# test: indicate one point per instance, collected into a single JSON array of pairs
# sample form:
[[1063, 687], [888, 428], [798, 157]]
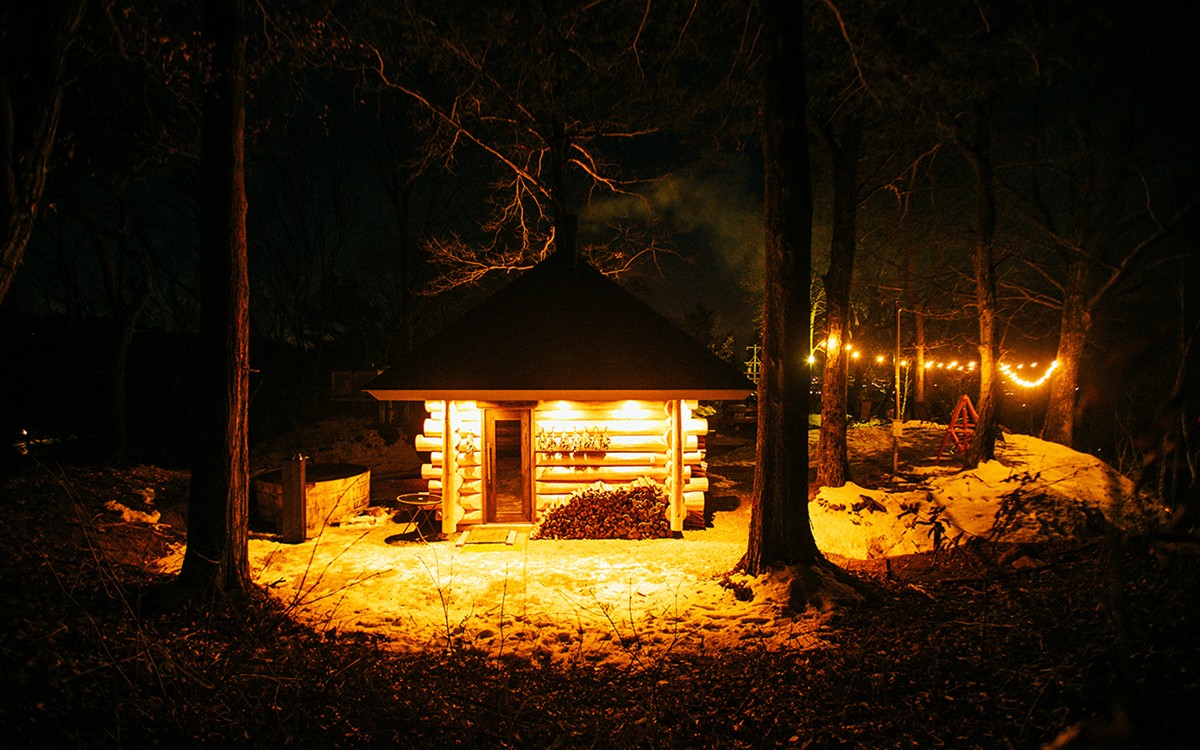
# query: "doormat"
[[487, 536]]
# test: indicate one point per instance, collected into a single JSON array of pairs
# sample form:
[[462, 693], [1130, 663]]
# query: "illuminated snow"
[[1033, 490], [610, 601]]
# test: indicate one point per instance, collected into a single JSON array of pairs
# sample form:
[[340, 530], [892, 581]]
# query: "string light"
[[1008, 370]]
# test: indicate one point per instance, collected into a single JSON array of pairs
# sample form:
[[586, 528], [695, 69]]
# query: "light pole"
[[897, 415]]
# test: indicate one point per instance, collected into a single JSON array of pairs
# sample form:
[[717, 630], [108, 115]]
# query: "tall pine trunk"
[[919, 319], [1059, 425], [833, 464], [978, 153], [216, 557], [780, 533]]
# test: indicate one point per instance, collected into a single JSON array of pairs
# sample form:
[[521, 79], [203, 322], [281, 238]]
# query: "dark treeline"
[[403, 159]]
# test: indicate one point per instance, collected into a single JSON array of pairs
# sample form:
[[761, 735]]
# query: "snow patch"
[[1035, 490], [129, 515]]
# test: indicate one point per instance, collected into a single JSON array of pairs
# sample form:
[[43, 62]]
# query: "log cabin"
[[560, 380]]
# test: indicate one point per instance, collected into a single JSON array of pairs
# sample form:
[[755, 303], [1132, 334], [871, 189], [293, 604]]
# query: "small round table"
[[422, 509]]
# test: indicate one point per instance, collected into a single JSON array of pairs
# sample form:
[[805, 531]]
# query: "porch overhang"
[[561, 394]]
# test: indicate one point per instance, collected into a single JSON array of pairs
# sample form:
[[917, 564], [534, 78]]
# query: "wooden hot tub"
[[332, 491]]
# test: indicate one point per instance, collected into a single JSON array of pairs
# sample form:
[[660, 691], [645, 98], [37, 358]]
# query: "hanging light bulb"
[[1024, 383]]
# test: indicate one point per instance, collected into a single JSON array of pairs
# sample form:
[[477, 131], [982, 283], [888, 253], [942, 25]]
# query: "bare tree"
[[422, 203], [984, 54], [1102, 192], [833, 463], [35, 45], [547, 99], [127, 295], [302, 247], [843, 92], [975, 145], [857, 118]]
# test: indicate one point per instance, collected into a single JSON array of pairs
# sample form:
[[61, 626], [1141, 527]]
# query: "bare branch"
[[1062, 241], [1040, 270], [683, 29], [858, 71], [456, 123], [464, 264], [586, 162], [1131, 258], [637, 37], [1026, 294]]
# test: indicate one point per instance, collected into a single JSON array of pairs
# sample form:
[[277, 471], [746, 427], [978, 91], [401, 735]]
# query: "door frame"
[[490, 415]]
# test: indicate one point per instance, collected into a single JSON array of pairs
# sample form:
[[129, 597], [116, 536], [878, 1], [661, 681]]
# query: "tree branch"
[[1141, 248], [457, 125]]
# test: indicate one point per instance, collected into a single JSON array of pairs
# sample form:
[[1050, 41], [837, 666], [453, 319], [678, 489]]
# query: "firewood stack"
[[637, 511]]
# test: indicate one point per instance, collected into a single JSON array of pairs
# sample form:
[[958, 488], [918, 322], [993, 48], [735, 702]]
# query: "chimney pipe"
[[567, 231]]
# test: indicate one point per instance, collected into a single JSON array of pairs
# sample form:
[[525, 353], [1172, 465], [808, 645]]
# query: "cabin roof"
[[561, 330]]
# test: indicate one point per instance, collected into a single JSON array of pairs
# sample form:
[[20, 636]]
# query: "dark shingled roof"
[[561, 331]]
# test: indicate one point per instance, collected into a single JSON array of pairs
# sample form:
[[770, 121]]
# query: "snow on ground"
[[1034, 490], [623, 602], [583, 601]]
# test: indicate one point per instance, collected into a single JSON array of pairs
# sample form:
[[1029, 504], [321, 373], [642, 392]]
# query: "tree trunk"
[[833, 464], [919, 317], [125, 324], [34, 38], [1059, 425], [216, 558], [983, 441], [780, 533], [125, 313]]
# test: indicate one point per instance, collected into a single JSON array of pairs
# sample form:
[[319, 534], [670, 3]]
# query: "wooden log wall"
[[464, 499], [635, 436], [576, 444]]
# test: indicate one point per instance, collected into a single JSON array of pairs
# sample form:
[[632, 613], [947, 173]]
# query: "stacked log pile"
[[636, 511]]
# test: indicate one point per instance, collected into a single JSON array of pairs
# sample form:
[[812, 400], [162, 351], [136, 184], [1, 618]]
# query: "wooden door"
[[507, 467]]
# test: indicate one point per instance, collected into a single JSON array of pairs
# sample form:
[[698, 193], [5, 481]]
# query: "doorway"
[[507, 467]]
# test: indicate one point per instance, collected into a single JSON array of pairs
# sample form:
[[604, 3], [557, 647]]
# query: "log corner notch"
[[678, 413]]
